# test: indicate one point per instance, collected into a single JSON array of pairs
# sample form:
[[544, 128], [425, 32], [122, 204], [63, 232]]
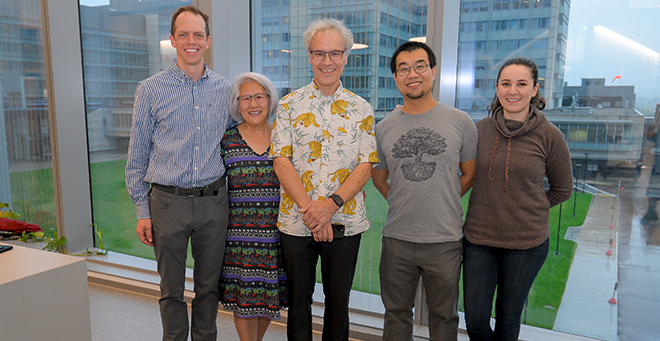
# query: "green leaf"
[[38, 236]]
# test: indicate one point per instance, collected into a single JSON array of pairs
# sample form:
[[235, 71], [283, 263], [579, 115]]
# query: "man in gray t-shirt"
[[427, 150]]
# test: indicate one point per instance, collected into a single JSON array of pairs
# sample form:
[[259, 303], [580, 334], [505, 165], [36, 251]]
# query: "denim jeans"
[[513, 273]]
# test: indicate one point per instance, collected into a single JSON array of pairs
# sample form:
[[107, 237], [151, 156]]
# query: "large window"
[[599, 66], [123, 43], [26, 175], [599, 63]]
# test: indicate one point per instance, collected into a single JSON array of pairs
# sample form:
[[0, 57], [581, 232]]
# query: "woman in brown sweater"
[[506, 228]]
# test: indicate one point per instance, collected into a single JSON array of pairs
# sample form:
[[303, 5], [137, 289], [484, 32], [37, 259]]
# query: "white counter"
[[43, 296]]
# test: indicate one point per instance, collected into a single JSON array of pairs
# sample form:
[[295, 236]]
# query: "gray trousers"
[[175, 220], [401, 265]]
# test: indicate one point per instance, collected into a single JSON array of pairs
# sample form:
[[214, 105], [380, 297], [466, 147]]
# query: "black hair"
[[410, 46]]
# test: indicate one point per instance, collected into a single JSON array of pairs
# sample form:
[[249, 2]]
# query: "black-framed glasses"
[[334, 55], [419, 68], [260, 98]]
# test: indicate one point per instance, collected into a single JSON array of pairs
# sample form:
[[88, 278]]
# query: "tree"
[[416, 143]]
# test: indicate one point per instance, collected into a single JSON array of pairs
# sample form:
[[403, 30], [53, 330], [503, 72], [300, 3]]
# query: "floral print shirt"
[[325, 137]]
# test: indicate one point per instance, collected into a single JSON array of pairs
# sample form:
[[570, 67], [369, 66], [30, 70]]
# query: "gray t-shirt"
[[422, 154]]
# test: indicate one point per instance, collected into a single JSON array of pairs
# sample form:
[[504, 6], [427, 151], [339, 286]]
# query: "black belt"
[[210, 189]]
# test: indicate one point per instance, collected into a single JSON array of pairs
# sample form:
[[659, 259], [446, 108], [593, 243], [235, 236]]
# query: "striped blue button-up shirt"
[[176, 133]]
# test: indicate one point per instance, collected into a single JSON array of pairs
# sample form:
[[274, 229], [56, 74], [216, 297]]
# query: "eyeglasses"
[[334, 55], [259, 97], [419, 68]]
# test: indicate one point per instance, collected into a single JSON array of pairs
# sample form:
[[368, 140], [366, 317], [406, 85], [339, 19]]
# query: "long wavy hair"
[[536, 101]]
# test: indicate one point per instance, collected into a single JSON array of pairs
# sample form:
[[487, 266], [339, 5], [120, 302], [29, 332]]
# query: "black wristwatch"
[[337, 199]]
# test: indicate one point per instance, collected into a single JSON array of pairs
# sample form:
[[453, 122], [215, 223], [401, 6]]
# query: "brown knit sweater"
[[508, 206]]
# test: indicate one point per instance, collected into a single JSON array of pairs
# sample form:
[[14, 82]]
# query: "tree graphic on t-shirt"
[[416, 143]]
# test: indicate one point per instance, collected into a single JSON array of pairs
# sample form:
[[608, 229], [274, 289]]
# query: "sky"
[[607, 38], [93, 3]]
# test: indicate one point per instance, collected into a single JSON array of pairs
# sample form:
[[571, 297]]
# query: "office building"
[[492, 32], [379, 27]]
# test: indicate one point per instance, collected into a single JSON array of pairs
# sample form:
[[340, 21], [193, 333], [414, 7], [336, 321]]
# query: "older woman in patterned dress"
[[253, 283]]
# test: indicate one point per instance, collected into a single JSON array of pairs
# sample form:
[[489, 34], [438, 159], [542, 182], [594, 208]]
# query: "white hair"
[[260, 79], [329, 24]]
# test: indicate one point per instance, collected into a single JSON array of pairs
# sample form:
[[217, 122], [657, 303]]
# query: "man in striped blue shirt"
[[176, 177]]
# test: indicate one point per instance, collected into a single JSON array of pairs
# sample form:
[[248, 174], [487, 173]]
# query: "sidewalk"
[[585, 309]]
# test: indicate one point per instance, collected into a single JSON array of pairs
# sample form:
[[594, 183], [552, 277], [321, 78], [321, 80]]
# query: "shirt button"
[[196, 148], [195, 168], [196, 107], [197, 128]]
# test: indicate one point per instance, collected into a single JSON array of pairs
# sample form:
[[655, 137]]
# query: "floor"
[[128, 316], [118, 314]]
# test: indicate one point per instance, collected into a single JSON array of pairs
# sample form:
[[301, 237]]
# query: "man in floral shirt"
[[323, 148]]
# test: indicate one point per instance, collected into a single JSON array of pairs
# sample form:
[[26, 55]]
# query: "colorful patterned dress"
[[253, 282]]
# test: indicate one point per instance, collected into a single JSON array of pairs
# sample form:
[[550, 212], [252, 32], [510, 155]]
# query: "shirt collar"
[[318, 93], [180, 75]]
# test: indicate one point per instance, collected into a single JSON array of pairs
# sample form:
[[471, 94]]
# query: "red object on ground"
[[17, 226], [609, 253], [612, 300]]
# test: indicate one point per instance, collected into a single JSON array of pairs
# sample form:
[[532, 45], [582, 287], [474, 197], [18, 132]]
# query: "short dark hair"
[[536, 101], [194, 10], [410, 46]]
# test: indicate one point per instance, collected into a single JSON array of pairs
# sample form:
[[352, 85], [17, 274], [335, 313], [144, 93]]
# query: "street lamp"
[[586, 168], [559, 229], [577, 175]]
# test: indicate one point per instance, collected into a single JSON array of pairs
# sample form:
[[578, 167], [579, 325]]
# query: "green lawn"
[[33, 197], [114, 215], [546, 294]]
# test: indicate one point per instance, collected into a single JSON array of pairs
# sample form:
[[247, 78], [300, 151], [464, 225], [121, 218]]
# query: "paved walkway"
[[585, 309]]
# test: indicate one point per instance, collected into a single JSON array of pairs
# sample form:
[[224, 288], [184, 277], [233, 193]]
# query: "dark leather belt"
[[210, 189]]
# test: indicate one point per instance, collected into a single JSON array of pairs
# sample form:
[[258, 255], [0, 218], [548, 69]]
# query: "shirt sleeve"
[[558, 169], [139, 152], [469, 148], [381, 155], [368, 150], [281, 139]]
